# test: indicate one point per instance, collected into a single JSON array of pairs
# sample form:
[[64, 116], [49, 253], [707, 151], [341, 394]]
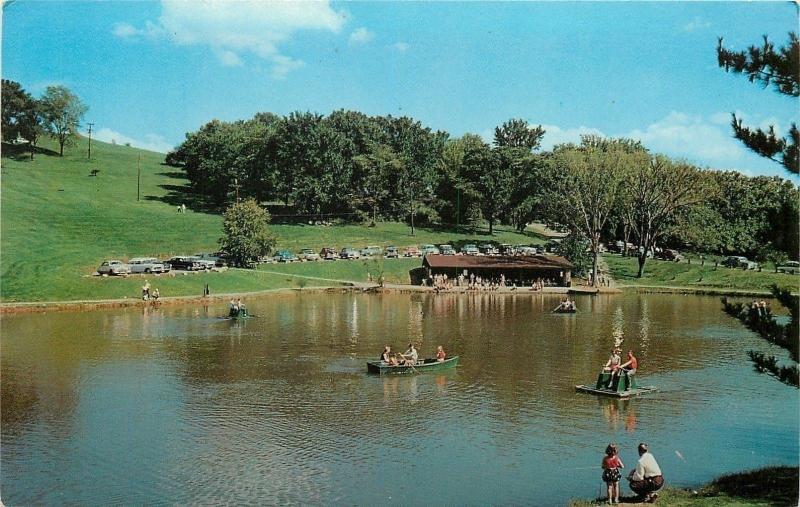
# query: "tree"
[[62, 111], [575, 247], [246, 234], [782, 335], [585, 184], [658, 188], [768, 66], [374, 169], [516, 133], [21, 116]]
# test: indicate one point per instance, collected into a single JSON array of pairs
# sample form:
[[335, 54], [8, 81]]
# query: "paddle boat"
[[565, 310], [237, 314], [422, 366], [624, 386]]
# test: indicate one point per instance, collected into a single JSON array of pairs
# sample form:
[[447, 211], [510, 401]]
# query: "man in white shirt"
[[411, 355], [646, 478]]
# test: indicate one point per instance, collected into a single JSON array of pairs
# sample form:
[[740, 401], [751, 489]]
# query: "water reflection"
[[176, 405]]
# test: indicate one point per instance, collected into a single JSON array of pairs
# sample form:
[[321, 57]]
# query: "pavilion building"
[[554, 270]]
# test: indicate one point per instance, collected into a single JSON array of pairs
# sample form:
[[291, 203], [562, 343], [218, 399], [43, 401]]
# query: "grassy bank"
[[658, 273], [393, 270], [59, 223], [767, 487]]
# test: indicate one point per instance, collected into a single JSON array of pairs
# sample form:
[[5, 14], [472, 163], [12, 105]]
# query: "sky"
[[151, 71]]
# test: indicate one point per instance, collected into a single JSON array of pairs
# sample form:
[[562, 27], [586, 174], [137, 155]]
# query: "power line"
[[90, 140]]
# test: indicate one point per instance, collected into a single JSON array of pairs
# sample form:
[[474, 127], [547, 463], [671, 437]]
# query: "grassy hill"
[[59, 223]]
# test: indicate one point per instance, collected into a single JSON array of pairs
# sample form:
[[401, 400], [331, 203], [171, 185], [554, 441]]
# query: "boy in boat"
[[410, 356], [629, 367], [613, 364]]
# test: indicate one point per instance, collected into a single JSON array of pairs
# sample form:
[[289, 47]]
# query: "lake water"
[[173, 405]]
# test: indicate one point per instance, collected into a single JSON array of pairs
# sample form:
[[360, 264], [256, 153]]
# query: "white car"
[[114, 268], [204, 263], [147, 265], [307, 254]]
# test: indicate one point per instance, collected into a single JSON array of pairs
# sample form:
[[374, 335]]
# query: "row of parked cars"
[[151, 265], [330, 253]]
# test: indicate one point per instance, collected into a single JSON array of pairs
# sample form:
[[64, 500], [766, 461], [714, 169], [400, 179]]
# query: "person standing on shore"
[[646, 479], [611, 474]]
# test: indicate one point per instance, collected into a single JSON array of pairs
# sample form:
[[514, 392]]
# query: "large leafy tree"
[[768, 66], [585, 185], [62, 111], [517, 133], [657, 189], [374, 171], [21, 115], [246, 235]]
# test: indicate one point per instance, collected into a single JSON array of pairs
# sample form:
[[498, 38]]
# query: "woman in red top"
[[611, 474], [440, 355]]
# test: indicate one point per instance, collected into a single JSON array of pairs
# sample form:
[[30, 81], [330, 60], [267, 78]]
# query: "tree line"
[[57, 113], [363, 167]]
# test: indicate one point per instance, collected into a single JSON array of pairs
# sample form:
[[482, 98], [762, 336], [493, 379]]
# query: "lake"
[[174, 405]]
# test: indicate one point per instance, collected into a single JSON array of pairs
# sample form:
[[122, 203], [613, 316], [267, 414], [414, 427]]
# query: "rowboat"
[[624, 386], [422, 366], [565, 310]]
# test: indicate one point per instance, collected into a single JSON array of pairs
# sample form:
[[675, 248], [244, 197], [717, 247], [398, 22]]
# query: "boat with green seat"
[[624, 386], [422, 366]]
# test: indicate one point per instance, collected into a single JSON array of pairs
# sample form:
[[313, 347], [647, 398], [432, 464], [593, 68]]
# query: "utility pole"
[[138, 175], [236, 186], [90, 140]]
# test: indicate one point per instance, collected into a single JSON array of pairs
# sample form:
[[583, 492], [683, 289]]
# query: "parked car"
[[147, 265], [506, 249], [203, 263], [791, 267], [391, 252], [470, 250], [217, 258], [285, 256], [371, 251], [307, 254], [185, 263], [329, 254], [429, 250], [488, 249], [552, 245], [114, 268], [668, 254], [349, 253], [737, 261], [447, 250], [412, 251], [526, 250]]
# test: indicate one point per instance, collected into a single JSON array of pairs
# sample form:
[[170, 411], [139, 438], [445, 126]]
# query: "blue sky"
[[152, 71]]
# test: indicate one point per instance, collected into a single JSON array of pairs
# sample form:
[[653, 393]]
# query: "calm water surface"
[[165, 406]]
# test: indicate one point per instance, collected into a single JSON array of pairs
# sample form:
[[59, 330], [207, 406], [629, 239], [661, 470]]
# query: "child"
[[611, 474]]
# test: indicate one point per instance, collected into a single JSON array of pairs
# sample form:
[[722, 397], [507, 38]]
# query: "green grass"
[[393, 270], [58, 223], [766, 487], [681, 274]]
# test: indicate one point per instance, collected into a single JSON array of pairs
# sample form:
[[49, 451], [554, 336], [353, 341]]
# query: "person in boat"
[[234, 309], [387, 357], [440, 354], [646, 479], [242, 309], [613, 364], [410, 356], [611, 474], [629, 366]]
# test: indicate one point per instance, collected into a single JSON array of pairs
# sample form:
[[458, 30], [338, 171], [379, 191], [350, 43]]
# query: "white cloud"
[[152, 142], [401, 46], [697, 23], [554, 135], [361, 36], [233, 29], [691, 136], [126, 31]]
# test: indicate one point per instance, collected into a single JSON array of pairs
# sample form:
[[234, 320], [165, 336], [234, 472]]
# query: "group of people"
[[147, 294], [408, 358], [236, 308], [617, 367], [645, 480], [759, 308]]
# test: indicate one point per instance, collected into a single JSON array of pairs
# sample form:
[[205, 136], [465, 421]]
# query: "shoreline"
[[352, 286]]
